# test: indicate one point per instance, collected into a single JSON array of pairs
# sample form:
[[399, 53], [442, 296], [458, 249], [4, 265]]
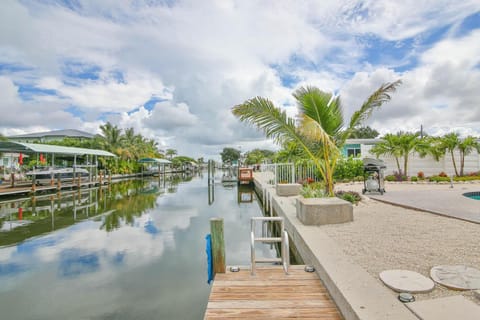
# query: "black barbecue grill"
[[373, 175]]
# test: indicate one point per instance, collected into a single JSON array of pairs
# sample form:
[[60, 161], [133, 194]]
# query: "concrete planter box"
[[319, 211], [288, 189]]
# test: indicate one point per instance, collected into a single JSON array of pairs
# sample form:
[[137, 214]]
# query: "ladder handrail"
[[285, 250]]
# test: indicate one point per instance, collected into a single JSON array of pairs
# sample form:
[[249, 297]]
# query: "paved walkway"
[[440, 199]]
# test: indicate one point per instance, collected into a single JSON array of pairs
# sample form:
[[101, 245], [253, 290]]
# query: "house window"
[[352, 150]]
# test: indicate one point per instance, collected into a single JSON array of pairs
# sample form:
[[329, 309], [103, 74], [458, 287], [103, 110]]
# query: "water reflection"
[[134, 250]]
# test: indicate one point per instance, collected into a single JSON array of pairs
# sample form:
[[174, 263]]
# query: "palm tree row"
[[320, 131], [404, 144], [127, 145]]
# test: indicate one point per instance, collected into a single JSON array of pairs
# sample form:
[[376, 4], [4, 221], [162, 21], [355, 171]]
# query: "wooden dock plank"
[[270, 294]]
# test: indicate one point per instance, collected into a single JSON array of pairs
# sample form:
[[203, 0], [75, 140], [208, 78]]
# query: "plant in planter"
[[319, 132], [313, 190]]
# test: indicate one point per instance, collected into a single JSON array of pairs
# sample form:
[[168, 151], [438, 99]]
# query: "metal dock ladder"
[[283, 240]]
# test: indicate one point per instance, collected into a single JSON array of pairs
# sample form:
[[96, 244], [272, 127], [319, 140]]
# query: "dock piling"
[[218, 245]]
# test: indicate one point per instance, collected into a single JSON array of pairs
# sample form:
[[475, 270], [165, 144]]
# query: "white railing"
[[289, 172]]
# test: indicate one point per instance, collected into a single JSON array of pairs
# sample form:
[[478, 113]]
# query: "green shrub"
[[466, 178], [349, 168], [350, 196], [438, 178], [390, 178], [414, 179]]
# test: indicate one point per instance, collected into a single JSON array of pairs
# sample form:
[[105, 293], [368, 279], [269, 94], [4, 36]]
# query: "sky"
[[173, 70]]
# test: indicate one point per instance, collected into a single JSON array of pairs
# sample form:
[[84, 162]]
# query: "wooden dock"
[[270, 294], [26, 189]]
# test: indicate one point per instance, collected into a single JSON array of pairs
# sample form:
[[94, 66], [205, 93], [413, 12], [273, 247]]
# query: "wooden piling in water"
[[218, 245]]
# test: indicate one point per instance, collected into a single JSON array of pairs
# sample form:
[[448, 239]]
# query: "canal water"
[[132, 250]]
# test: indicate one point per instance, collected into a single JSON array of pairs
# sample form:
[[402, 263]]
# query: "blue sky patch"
[[118, 76], [8, 68], [29, 92], [75, 111], [150, 104], [80, 70], [398, 55], [468, 24], [104, 115]]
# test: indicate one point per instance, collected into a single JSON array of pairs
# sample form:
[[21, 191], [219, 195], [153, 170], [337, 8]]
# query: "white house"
[[416, 164]]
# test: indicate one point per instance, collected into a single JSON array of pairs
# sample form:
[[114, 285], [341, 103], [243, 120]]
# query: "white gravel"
[[384, 237]]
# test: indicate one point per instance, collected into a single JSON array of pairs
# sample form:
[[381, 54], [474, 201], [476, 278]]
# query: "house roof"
[[11, 146], [71, 133]]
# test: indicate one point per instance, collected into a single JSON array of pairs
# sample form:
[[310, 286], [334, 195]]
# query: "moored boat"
[[46, 175]]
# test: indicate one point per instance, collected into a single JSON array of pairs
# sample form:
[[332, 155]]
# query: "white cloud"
[[167, 116]]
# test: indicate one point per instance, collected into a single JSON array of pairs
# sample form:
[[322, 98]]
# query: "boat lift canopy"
[[154, 160], [21, 147]]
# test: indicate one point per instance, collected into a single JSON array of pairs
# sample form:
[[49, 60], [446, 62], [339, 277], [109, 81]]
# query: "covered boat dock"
[[89, 157], [160, 163]]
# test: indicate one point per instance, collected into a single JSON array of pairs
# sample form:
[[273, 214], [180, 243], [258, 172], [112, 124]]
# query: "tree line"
[[404, 144]]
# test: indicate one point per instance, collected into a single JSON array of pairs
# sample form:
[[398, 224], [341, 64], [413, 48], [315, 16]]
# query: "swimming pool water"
[[472, 195]]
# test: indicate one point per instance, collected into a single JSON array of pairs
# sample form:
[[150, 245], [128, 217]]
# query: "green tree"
[[403, 144], [256, 156], [448, 143], [111, 137], [230, 155], [319, 132], [466, 147], [2, 138], [170, 153], [410, 143], [290, 152], [364, 133], [389, 146]]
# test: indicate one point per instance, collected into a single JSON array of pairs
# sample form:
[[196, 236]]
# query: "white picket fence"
[[289, 172]]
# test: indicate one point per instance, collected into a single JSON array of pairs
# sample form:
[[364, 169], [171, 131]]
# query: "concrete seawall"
[[357, 294]]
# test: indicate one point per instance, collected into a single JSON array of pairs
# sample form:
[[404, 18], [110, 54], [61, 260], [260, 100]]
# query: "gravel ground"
[[384, 237]]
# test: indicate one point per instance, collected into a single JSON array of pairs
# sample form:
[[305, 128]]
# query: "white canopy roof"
[[10, 146]]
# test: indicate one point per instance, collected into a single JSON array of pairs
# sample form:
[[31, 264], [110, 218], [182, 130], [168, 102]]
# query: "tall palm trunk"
[[462, 163], [454, 163], [405, 165], [398, 165]]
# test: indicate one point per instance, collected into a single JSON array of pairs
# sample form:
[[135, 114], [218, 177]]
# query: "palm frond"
[[319, 106], [261, 113], [379, 97], [275, 123]]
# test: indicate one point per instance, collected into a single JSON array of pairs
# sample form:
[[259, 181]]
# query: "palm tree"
[[289, 153], [449, 143], [410, 143], [170, 153], [111, 136], [466, 146], [389, 146], [320, 131], [402, 144]]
